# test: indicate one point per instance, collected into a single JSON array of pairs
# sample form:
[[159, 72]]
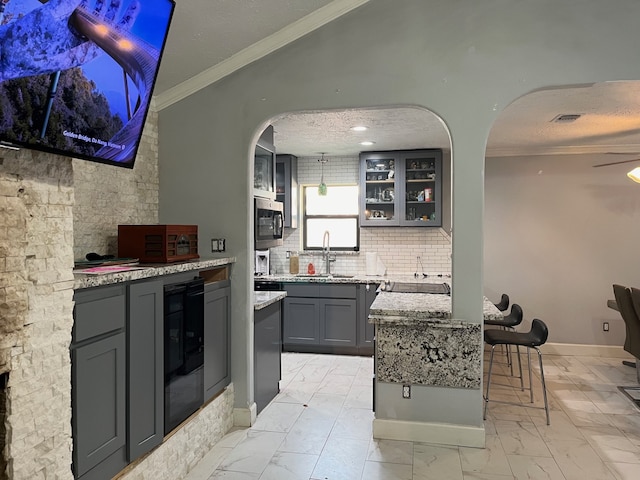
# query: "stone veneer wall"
[[107, 196], [397, 247], [186, 447], [54, 210], [36, 305]]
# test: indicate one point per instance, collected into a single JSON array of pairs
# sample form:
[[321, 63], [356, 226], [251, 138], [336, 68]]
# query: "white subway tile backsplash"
[[397, 247]]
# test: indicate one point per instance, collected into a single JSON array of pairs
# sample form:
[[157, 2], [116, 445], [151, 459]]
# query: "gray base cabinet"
[[145, 392], [217, 360], [266, 359], [338, 322], [366, 330], [98, 375], [117, 368], [327, 318], [301, 325]]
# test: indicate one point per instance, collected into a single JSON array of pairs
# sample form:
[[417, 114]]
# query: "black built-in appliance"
[[183, 351], [269, 223]]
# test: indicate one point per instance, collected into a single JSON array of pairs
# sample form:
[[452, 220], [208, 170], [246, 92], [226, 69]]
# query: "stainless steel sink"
[[402, 287]]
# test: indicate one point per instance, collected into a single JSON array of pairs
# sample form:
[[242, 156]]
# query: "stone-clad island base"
[[442, 355], [418, 344]]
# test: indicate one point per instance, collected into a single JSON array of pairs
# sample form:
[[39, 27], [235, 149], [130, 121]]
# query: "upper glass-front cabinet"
[[401, 188], [264, 167]]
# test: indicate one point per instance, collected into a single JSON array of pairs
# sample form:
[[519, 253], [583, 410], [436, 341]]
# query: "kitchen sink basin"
[[415, 287]]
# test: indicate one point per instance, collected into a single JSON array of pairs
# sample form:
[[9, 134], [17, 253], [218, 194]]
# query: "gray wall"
[[558, 234], [464, 60]]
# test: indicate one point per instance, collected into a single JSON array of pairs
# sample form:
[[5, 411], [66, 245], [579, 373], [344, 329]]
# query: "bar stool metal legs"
[[532, 339]]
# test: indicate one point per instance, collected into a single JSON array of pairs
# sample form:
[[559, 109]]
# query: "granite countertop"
[[85, 280], [264, 298], [341, 278], [414, 308]]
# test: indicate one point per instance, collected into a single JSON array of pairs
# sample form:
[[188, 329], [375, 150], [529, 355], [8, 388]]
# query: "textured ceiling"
[[310, 133], [205, 34], [609, 123]]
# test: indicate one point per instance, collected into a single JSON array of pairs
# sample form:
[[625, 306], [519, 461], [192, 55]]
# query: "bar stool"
[[503, 304], [534, 338], [509, 322]]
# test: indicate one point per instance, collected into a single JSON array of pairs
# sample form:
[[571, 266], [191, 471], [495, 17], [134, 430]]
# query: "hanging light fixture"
[[322, 188]]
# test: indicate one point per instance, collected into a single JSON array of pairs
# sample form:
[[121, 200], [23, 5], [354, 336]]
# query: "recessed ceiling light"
[[359, 128], [366, 144]]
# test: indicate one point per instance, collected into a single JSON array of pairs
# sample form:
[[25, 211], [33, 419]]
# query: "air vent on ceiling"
[[567, 117]]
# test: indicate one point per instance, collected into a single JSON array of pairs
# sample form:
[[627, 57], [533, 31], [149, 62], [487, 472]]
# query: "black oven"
[[183, 351], [269, 223]]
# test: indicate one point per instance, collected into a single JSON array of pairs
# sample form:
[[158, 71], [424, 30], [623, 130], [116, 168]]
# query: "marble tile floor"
[[319, 427]]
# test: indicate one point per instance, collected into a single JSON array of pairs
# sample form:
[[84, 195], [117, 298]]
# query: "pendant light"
[[322, 188]]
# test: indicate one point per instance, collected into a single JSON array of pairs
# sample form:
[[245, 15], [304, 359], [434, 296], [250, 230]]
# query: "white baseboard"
[[245, 417], [440, 433], [605, 351]]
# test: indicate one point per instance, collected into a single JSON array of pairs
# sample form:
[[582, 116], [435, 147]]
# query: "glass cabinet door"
[[264, 172], [422, 187], [379, 182]]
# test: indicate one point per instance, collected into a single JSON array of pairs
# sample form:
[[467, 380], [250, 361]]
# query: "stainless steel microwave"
[[269, 223]]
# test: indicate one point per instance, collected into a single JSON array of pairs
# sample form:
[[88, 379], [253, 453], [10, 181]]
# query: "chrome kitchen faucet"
[[326, 252]]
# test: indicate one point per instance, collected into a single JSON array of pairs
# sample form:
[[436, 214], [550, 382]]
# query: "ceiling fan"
[[616, 163], [634, 174]]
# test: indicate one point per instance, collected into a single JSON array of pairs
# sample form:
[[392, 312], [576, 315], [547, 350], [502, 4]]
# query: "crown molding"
[[254, 52]]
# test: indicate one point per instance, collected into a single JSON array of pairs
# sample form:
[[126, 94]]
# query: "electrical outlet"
[[605, 326], [406, 391]]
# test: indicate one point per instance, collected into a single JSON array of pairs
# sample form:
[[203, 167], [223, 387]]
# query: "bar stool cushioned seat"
[[503, 304], [511, 320], [532, 339]]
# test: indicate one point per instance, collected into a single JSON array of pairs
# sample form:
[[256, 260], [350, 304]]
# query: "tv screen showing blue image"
[[77, 76]]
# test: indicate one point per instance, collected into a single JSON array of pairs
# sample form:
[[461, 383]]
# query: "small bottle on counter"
[[294, 263]]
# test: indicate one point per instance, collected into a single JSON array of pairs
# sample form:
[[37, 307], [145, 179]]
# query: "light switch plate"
[[218, 245]]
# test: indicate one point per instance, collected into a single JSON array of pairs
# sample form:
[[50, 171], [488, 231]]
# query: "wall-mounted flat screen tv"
[[76, 76]]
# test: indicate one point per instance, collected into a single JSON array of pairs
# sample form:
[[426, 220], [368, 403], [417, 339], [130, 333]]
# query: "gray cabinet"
[[338, 322], [264, 165], [267, 349], [320, 317], [145, 386], [301, 321], [366, 330], [287, 188], [117, 368], [401, 188], [98, 364], [217, 359]]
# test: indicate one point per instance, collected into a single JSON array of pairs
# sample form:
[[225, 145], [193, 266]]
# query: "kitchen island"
[[426, 365]]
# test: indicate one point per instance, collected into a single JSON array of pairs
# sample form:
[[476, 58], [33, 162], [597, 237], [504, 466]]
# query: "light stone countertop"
[[341, 278], [419, 343], [264, 298], [415, 308], [84, 280]]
